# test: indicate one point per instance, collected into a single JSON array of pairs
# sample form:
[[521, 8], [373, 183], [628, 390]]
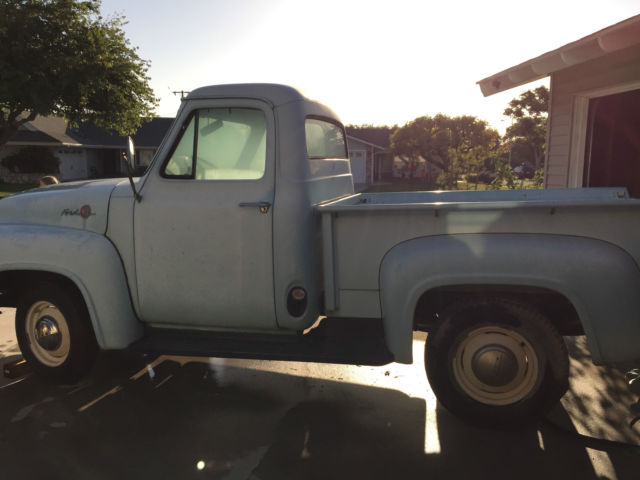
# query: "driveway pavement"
[[179, 417]]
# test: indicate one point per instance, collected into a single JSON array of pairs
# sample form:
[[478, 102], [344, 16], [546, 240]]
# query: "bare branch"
[[17, 122]]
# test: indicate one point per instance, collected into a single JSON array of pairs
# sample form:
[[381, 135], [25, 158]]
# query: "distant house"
[[91, 152], [369, 155], [593, 129], [87, 151], [362, 156]]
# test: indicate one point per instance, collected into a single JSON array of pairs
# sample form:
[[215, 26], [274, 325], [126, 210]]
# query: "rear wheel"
[[54, 333], [496, 362]]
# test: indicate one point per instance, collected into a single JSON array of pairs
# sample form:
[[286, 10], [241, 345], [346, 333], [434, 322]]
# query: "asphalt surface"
[[179, 417]]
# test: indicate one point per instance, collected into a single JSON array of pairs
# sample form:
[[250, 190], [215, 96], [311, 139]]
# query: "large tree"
[[528, 132], [61, 57], [445, 142]]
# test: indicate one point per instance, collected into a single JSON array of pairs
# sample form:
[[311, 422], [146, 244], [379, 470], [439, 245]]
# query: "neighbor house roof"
[[376, 137], [358, 139], [616, 37], [44, 130], [55, 131], [152, 133]]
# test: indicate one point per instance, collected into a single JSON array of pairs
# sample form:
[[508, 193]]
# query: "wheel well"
[[13, 283], [555, 306]]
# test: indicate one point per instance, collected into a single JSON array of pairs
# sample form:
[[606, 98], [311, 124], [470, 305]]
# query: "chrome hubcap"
[[496, 366], [48, 334]]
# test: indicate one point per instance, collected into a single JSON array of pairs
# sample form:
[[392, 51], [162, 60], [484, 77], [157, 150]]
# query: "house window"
[[612, 150]]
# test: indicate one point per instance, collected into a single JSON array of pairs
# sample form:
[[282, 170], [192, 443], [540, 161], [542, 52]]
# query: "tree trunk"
[[11, 123], [538, 155], [6, 133]]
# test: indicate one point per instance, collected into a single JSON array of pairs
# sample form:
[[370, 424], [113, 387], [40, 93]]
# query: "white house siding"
[[360, 157], [358, 160], [615, 69]]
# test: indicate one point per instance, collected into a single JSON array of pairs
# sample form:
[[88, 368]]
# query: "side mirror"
[[131, 152], [131, 163]]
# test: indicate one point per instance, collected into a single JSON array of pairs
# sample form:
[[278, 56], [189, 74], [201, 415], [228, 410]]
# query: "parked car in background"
[[525, 170]]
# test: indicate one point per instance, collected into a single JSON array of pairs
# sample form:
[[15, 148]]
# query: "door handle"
[[262, 206]]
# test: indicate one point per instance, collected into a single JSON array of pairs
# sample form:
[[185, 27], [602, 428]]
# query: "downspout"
[[548, 134]]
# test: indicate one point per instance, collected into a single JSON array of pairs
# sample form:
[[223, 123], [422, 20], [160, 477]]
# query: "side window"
[[324, 139], [221, 144], [181, 162]]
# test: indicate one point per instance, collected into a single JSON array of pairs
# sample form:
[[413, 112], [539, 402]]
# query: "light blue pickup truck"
[[245, 239]]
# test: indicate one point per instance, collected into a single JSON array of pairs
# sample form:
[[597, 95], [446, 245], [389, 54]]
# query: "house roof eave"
[[365, 142], [615, 37]]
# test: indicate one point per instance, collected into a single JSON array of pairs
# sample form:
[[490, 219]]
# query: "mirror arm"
[[137, 196]]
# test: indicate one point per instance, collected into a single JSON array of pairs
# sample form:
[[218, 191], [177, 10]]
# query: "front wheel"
[[496, 363], [54, 333]]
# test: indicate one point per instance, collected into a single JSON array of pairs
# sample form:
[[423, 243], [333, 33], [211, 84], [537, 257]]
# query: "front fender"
[[601, 280], [90, 261]]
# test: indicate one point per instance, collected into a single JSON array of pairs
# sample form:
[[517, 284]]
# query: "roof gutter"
[[616, 37]]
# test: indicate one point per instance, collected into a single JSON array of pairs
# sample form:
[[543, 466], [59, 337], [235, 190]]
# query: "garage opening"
[[612, 153]]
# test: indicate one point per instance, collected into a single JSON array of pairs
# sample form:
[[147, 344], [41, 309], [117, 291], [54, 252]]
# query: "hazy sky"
[[380, 62]]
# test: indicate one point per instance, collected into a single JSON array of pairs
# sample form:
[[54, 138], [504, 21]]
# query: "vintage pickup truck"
[[245, 239]]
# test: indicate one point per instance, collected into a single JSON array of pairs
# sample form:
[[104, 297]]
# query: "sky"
[[372, 62]]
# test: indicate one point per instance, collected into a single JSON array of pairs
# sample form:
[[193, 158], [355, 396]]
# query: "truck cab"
[[226, 231]]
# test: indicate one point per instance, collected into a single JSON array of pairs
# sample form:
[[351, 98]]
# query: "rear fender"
[[601, 280]]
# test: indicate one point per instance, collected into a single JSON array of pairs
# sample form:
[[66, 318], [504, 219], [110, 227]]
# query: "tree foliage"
[[528, 131], [379, 134], [61, 57], [469, 163], [505, 177], [453, 144]]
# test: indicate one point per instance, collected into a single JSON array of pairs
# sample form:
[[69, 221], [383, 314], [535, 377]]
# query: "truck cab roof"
[[269, 92]]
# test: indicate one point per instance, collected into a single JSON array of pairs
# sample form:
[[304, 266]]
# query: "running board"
[[334, 340]]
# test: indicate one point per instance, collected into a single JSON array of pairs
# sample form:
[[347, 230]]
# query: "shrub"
[[538, 178], [446, 181], [486, 176], [504, 177], [32, 160], [472, 178]]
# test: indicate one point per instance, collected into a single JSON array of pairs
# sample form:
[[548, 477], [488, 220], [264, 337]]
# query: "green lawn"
[[7, 189]]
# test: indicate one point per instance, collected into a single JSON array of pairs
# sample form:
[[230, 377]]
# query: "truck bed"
[[359, 230], [480, 199]]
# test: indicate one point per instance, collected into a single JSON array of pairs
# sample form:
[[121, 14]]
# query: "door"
[[612, 156], [203, 230]]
